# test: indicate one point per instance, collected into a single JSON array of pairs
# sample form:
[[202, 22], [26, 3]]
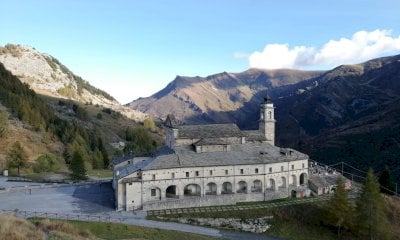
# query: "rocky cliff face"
[[46, 75]]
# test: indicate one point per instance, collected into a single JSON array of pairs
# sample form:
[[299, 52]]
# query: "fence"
[[63, 216], [352, 173]]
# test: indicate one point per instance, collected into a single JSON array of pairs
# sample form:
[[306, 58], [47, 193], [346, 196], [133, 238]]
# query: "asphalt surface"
[[90, 199]]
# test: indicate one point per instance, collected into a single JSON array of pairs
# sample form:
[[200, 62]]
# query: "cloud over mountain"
[[361, 46]]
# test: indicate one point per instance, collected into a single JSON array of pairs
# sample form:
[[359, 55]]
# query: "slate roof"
[[209, 131], [248, 153], [211, 141], [254, 135]]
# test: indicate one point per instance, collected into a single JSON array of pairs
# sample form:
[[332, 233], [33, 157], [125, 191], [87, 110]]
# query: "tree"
[[97, 159], [149, 124], [386, 181], [47, 162], [371, 210], [3, 123], [339, 207], [77, 166], [17, 156]]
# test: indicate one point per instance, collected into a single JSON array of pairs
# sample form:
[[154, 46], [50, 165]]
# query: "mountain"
[[47, 76], [350, 113], [217, 98]]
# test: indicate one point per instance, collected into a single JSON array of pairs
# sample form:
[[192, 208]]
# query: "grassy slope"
[[13, 228], [298, 222]]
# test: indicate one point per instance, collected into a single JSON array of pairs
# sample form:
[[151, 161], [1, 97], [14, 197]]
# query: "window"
[[172, 175], [153, 192], [241, 171], [303, 165], [226, 172], [270, 169], [187, 174], [256, 170], [154, 177], [197, 173], [292, 166], [281, 168], [130, 184], [210, 172]]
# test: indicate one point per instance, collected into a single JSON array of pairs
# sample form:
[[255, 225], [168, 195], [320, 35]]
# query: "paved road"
[[95, 199]]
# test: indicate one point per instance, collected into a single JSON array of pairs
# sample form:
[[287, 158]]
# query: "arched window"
[[171, 192], [303, 178], [257, 186], [269, 115]]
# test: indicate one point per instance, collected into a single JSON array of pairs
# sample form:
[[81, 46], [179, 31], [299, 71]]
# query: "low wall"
[[212, 200]]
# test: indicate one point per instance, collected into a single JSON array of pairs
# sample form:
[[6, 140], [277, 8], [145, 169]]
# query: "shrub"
[[47, 162]]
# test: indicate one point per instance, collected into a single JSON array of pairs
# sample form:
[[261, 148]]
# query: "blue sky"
[[134, 48]]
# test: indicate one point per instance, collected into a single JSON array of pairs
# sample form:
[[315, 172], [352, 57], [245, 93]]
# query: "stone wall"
[[226, 199]]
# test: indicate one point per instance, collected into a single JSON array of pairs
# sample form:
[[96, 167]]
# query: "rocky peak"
[[47, 76]]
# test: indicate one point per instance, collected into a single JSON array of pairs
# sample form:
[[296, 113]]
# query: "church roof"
[[240, 154], [209, 131], [254, 135], [211, 141]]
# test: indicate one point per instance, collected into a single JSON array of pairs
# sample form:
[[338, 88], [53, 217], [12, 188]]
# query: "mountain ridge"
[[47, 76]]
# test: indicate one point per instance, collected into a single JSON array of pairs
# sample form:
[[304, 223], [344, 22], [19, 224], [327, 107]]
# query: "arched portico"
[[257, 186], [271, 185], [192, 190], [171, 192], [293, 180], [226, 188], [283, 182], [211, 188], [303, 178], [242, 187]]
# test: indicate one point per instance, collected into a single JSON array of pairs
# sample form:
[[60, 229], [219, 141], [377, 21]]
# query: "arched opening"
[[226, 188], [242, 187], [171, 192], [211, 189], [269, 115], [293, 180], [257, 186], [283, 182], [155, 193], [303, 178], [192, 190], [271, 185]]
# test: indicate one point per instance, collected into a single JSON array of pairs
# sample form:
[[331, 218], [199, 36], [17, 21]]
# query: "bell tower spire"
[[267, 120]]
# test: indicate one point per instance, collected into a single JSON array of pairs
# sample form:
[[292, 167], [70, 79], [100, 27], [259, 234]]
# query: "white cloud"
[[360, 47]]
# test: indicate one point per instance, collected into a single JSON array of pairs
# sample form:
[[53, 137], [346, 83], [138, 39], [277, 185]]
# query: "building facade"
[[213, 164]]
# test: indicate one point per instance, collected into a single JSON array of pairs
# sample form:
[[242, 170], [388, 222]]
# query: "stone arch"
[[283, 182], [303, 178], [271, 184], [171, 192], [257, 186], [192, 190], [242, 187], [211, 188], [293, 180], [226, 188]]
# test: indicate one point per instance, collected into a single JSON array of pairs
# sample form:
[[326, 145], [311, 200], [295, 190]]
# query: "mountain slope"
[[219, 97], [46, 75]]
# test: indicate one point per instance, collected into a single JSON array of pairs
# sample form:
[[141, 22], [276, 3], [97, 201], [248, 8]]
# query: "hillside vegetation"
[[13, 228], [47, 125]]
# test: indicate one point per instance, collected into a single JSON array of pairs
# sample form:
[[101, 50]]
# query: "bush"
[[47, 162]]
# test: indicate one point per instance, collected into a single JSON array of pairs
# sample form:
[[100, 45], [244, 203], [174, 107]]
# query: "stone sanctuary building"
[[213, 164]]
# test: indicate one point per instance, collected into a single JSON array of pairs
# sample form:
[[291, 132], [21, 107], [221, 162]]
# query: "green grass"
[[100, 173], [121, 231]]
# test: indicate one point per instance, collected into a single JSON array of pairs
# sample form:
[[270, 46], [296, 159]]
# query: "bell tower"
[[267, 120]]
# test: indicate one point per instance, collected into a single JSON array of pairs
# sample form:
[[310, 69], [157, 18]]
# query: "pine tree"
[[77, 166], [340, 209], [106, 159], [371, 210], [386, 181], [3, 123], [17, 156]]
